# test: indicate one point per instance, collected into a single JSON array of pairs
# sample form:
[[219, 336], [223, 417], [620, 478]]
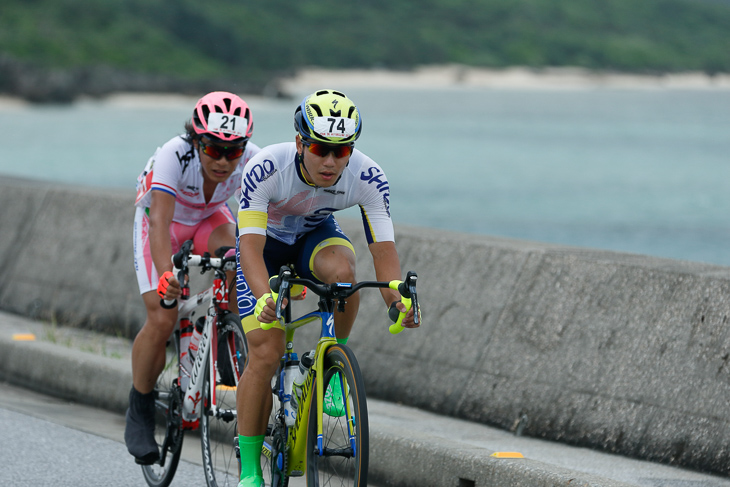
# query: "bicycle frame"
[[297, 435], [193, 394], [207, 402], [217, 296]]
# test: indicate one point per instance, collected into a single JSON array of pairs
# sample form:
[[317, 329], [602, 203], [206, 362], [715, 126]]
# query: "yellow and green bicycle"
[[325, 434]]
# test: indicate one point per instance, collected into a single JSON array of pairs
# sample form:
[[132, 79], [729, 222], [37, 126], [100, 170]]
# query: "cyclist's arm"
[[387, 268], [162, 209], [251, 246]]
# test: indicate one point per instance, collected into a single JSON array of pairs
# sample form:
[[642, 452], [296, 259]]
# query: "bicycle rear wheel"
[[218, 431], [168, 420], [345, 444]]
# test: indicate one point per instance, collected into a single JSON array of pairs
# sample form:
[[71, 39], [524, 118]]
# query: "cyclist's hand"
[[408, 320], [168, 287], [266, 308]]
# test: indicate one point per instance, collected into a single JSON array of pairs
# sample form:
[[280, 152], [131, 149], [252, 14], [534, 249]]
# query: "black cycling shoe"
[[139, 434]]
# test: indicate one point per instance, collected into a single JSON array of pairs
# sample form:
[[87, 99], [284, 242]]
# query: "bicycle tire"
[[218, 434], [168, 420], [345, 461]]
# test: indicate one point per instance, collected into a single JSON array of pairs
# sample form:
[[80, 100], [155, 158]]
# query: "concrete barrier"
[[624, 353]]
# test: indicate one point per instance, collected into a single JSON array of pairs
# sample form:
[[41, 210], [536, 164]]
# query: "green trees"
[[255, 39]]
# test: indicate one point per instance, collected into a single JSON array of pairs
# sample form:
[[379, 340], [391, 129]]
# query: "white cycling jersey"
[[175, 168], [276, 199]]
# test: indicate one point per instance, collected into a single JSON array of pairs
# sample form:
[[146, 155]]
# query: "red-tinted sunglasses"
[[216, 151], [322, 150]]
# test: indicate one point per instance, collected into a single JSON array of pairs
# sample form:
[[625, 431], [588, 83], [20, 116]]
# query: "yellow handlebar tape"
[[397, 327]]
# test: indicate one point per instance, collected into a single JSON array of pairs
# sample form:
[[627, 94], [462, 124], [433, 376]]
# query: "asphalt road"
[[48, 441]]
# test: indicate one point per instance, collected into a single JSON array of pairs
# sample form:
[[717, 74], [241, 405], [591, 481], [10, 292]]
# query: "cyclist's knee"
[[265, 350], [223, 235], [159, 325], [337, 265]]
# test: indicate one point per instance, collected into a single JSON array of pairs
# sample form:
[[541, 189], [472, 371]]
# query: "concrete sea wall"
[[619, 352]]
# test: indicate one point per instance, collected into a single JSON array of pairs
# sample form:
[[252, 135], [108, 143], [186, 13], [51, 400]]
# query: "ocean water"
[[634, 170]]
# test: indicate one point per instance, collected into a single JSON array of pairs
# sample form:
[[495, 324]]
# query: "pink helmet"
[[223, 116]]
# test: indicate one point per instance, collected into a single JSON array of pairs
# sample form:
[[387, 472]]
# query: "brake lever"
[[180, 261], [280, 286], [411, 279]]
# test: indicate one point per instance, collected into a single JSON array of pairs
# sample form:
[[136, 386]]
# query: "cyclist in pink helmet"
[[182, 194]]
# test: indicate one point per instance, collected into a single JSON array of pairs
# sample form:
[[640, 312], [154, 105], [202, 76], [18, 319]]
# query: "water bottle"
[[301, 377], [291, 370], [195, 338]]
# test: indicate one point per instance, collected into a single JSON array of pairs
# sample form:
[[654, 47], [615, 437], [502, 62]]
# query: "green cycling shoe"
[[334, 406]]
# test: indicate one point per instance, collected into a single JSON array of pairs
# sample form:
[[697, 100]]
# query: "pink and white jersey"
[[175, 169], [277, 200]]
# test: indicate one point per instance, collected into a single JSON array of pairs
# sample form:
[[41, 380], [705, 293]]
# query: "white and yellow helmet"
[[328, 116]]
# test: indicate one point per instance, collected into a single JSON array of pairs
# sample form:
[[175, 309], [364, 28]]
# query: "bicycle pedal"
[[190, 425]]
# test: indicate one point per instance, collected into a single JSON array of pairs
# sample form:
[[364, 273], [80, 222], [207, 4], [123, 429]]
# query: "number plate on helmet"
[[334, 126], [227, 124]]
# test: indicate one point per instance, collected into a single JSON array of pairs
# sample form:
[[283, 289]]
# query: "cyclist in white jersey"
[[289, 193], [181, 194]]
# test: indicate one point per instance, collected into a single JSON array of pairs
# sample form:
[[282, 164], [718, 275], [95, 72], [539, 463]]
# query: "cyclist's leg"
[[254, 399], [328, 256], [331, 258], [216, 231], [148, 360], [335, 262], [167, 430], [148, 351]]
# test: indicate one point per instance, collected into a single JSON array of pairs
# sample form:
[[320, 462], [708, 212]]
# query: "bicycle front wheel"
[[168, 419], [218, 431], [340, 456]]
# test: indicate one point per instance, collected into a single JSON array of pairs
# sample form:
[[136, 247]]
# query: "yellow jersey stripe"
[[252, 218]]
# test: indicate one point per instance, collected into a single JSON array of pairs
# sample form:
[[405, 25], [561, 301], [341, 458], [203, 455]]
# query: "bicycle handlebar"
[[281, 284], [184, 259]]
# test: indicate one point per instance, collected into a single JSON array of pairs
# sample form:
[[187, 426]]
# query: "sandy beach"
[[510, 78], [429, 77]]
